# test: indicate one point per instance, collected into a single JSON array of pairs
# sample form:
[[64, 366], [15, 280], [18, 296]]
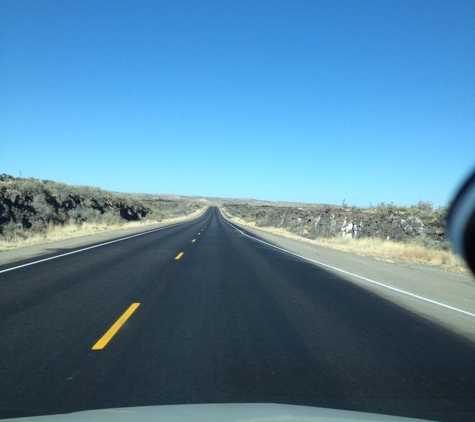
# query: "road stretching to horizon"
[[199, 313]]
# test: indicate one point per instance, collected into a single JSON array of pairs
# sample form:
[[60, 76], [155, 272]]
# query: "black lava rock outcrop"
[[330, 221], [32, 203]]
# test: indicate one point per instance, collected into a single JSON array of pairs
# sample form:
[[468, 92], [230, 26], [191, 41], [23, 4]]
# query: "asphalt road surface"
[[200, 313]]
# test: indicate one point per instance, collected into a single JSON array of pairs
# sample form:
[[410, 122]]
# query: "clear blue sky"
[[311, 101]]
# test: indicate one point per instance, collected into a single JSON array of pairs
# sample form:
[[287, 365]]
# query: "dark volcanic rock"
[[325, 221], [32, 203]]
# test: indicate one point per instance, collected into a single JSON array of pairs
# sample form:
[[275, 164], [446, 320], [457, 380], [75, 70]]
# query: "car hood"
[[252, 412]]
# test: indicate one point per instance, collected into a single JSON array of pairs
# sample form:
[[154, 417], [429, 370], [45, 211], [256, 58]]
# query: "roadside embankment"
[[44, 248], [34, 211], [389, 237]]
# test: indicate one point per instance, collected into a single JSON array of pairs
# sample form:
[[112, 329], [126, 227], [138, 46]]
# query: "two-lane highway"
[[199, 313]]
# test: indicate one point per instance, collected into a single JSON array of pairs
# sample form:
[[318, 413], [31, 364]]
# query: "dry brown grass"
[[56, 233], [386, 250]]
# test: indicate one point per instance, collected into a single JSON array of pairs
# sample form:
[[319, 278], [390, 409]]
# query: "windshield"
[[265, 161]]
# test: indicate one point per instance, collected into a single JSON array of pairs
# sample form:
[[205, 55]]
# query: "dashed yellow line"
[[113, 330], [193, 241], [179, 255]]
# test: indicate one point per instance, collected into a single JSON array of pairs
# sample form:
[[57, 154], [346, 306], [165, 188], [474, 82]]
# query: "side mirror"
[[461, 222]]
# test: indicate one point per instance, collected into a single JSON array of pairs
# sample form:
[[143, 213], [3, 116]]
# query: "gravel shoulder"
[[398, 282]]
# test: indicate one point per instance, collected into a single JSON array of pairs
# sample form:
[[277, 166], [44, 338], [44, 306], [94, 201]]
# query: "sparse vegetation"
[[386, 231], [35, 211], [439, 255], [15, 238]]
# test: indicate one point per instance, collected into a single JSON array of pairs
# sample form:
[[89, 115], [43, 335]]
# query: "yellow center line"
[[194, 240], [179, 255], [113, 330]]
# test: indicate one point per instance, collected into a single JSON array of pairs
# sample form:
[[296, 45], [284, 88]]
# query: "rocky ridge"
[[389, 223], [32, 204]]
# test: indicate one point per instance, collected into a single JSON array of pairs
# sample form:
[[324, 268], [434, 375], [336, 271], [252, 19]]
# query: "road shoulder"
[[62, 246], [421, 289]]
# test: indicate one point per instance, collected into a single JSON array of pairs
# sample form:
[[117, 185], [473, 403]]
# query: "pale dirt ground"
[[429, 282]]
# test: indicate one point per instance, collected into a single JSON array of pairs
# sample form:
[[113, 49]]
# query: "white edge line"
[[355, 275], [89, 247]]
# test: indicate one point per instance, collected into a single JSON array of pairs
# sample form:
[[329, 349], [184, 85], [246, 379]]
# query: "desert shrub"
[[30, 186], [44, 210], [424, 206], [401, 209], [10, 231], [110, 219], [82, 213]]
